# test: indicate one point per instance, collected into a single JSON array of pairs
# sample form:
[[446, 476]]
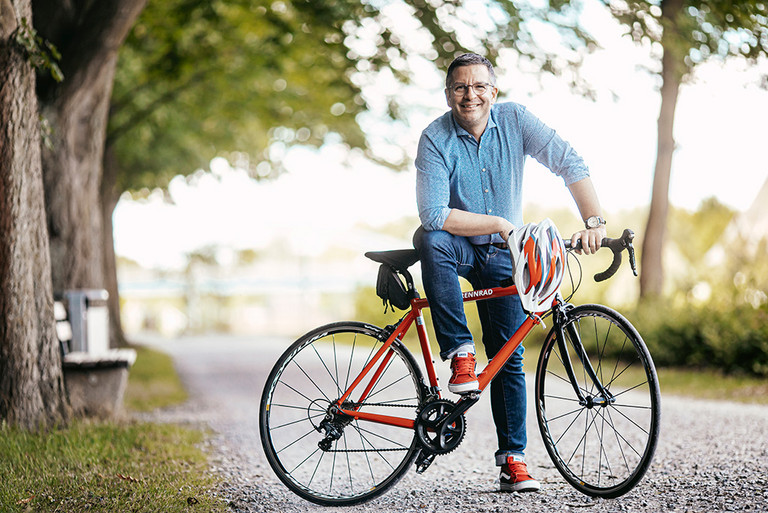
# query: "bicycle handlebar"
[[617, 246]]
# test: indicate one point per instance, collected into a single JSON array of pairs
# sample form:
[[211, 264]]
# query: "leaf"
[[128, 478], [26, 501]]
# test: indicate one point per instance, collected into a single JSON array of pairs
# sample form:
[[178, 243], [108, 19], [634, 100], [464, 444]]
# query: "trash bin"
[[89, 318]]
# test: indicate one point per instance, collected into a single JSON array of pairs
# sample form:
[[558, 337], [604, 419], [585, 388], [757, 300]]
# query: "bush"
[[734, 339]]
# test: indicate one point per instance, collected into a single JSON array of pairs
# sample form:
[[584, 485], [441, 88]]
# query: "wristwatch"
[[594, 221]]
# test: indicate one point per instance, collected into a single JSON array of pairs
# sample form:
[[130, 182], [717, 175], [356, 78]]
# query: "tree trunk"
[[77, 109], [109, 198], [651, 267], [31, 380]]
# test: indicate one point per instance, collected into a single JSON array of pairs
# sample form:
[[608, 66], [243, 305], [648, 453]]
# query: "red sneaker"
[[463, 379], [515, 477]]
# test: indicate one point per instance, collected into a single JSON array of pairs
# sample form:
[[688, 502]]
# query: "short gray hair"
[[470, 59]]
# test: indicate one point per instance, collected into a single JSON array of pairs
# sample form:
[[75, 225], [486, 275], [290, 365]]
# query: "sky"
[[327, 193]]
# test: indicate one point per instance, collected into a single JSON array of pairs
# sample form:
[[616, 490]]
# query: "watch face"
[[593, 222]]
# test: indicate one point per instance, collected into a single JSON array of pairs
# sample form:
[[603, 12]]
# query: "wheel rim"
[[601, 447], [364, 458]]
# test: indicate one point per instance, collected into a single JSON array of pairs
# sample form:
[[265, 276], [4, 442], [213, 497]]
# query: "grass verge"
[[695, 383], [87, 466], [710, 384], [153, 382], [112, 466]]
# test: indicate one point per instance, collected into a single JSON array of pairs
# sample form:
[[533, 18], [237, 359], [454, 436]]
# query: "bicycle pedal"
[[471, 395], [423, 462]]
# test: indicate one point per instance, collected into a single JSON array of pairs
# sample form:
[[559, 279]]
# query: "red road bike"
[[347, 410]]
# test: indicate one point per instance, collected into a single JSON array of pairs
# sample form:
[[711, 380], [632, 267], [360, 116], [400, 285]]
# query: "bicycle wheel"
[[601, 447], [324, 457]]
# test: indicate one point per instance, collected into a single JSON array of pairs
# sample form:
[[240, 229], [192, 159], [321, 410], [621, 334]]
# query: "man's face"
[[471, 110]]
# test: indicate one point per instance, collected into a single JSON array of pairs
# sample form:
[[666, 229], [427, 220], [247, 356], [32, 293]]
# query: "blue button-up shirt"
[[453, 170]]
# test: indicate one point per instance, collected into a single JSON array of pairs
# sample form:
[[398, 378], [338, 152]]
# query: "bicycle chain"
[[368, 450], [389, 405]]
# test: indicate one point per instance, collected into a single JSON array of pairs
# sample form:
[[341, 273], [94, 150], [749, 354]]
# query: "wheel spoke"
[[311, 381], [604, 445], [294, 422], [321, 454], [296, 441]]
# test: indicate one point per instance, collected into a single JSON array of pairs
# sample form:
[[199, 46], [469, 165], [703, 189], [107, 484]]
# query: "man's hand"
[[590, 239], [507, 230]]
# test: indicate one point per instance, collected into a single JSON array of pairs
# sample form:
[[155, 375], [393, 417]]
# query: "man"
[[469, 192]]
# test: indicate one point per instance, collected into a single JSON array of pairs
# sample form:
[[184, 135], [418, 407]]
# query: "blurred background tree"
[[683, 34]]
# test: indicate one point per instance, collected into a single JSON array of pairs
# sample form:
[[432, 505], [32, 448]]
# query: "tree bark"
[[89, 36], [109, 198], [31, 380], [672, 63]]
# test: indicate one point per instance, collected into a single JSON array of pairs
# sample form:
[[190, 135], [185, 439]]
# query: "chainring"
[[433, 436]]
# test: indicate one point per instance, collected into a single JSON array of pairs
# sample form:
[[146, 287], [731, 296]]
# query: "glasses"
[[480, 88]]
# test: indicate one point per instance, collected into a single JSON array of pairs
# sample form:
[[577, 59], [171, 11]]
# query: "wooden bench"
[[95, 379]]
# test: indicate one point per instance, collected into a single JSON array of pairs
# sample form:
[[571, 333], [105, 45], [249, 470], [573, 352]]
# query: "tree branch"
[[142, 114], [86, 34]]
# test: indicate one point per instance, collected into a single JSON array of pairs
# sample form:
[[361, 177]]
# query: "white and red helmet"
[[538, 260]]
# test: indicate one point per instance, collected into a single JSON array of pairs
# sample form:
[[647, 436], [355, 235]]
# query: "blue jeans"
[[445, 257]]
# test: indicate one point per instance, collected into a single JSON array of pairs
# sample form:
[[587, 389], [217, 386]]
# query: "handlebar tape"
[[616, 246]]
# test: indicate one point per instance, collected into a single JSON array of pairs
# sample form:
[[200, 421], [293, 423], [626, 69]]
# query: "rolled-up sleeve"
[[432, 185], [549, 149]]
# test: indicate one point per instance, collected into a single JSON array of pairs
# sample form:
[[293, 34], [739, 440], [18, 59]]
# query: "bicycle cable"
[[574, 286]]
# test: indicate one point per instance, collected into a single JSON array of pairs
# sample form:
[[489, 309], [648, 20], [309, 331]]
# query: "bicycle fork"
[[603, 397]]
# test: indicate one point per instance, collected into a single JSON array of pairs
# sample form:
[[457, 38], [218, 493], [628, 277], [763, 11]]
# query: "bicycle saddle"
[[399, 259]]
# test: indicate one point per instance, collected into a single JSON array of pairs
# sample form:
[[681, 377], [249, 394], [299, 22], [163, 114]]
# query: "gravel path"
[[712, 456]]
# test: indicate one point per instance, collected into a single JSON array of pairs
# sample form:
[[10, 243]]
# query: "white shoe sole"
[[463, 388], [523, 486]]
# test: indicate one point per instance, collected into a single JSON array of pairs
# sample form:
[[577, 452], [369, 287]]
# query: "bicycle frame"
[[382, 356], [600, 432]]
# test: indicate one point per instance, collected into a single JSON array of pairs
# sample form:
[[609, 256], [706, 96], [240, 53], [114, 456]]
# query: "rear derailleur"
[[332, 426]]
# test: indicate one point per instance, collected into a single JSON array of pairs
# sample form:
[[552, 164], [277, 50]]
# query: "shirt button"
[[490, 210], [486, 190], [483, 169]]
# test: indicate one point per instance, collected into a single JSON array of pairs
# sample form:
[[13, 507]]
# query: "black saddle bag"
[[391, 289]]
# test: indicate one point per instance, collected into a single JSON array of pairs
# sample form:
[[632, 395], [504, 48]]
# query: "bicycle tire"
[[603, 450], [367, 458]]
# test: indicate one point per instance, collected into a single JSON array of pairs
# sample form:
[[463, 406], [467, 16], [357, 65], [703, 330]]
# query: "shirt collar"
[[460, 131]]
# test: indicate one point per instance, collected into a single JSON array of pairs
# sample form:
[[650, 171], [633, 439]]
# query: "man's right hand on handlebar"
[[590, 239]]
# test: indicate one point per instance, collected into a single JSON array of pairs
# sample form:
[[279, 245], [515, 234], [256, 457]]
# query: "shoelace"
[[518, 470], [464, 366]]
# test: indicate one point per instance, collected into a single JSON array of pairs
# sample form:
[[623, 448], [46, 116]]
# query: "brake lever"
[[632, 263]]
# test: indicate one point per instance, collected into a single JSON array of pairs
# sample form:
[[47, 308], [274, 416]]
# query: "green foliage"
[[105, 468], [734, 340], [246, 79], [715, 318], [694, 233], [701, 29], [41, 53]]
